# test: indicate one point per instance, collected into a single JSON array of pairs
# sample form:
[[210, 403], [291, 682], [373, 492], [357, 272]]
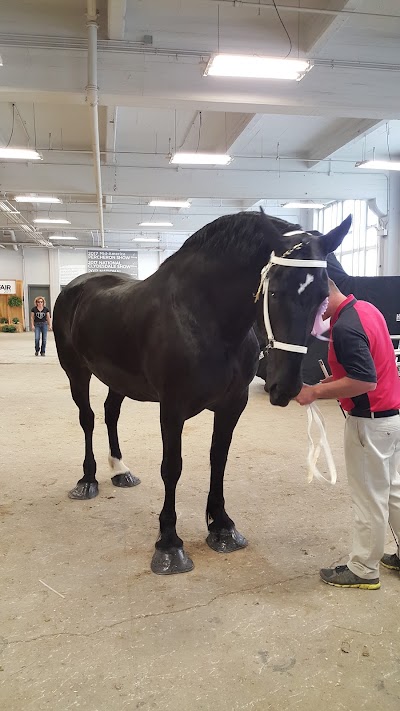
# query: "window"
[[359, 251]]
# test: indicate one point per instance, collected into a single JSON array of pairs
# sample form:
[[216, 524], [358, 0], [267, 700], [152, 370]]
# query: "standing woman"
[[40, 321]]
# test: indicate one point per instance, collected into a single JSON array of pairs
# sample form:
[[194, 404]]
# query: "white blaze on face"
[[117, 466], [309, 280]]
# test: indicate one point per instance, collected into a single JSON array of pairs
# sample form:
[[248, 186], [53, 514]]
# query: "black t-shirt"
[[40, 316]]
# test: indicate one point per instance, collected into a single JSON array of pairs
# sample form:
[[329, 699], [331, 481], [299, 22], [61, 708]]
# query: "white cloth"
[[372, 453]]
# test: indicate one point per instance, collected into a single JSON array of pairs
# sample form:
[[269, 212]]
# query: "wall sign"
[[109, 261], [7, 287], [68, 272]]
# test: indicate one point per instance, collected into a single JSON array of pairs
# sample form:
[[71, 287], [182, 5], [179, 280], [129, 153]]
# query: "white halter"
[[264, 284], [313, 413]]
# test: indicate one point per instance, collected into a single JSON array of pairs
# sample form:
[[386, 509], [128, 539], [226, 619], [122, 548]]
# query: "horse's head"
[[294, 292]]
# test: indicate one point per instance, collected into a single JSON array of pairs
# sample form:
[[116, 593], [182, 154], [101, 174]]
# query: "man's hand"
[[306, 395]]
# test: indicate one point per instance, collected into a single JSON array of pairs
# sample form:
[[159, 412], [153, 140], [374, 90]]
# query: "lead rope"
[[315, 416]]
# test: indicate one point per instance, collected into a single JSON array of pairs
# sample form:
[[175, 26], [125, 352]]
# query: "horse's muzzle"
[[278, 397]]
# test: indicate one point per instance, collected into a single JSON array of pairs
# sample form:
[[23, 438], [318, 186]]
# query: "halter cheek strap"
[[264, 287]]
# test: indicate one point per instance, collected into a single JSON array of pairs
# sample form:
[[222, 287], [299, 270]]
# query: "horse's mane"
[[245, 232]]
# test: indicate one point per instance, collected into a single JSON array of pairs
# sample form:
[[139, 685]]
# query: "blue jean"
[[40, 328]]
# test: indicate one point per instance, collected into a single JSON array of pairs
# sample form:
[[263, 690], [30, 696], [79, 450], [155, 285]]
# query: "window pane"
[[347, 263], [371, 268]]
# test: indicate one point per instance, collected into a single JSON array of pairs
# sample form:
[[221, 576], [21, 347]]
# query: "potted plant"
[[14, 301], [3, 319], [8, 329], [15, 320]]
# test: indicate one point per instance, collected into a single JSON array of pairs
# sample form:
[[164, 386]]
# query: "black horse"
[[184, 338]]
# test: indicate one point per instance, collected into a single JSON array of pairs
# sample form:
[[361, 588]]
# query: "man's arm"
[[333, 390]]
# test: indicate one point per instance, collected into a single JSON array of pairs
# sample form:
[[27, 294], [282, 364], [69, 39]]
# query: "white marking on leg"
[[116, 465], [309, 280]]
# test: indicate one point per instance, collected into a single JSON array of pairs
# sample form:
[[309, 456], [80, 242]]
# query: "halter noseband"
[[264, 284]]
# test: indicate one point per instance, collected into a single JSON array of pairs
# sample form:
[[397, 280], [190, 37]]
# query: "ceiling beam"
[[340, 134], [170, 181], [116, 11], [42, 75], [315, 34]]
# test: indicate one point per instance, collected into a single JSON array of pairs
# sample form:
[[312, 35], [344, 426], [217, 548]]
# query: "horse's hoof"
[[171, 562], [226, 541], [126, 479], [84, 491]]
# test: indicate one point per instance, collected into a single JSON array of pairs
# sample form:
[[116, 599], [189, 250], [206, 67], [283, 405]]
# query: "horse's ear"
[[274, 234], [335, 237]]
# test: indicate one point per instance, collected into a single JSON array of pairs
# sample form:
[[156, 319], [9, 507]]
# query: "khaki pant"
[[372, 453]]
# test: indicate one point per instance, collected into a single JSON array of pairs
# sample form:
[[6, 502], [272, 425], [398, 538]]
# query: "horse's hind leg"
[[87, 487], [121, 474], [223, 536]]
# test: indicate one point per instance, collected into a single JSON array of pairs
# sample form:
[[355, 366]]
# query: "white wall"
[[10, 264]]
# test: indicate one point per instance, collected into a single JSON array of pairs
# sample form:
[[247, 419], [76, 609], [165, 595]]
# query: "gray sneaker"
[[342, 577], [391, 561]]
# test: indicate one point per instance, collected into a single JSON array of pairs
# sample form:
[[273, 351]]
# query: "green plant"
[[3, 319], [9, 329], [14, 301], [15, 320]]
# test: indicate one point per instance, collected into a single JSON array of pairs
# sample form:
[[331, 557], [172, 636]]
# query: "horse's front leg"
[[223, 536], [169, 556], [121, 476]]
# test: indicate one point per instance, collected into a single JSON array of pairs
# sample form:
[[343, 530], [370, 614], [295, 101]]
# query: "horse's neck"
[[231, 293]]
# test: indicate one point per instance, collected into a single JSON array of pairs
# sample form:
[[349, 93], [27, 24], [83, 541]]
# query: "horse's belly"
[[132, 385]]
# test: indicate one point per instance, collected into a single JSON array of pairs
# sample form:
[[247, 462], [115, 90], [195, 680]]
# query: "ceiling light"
[[155, 224], [20, 154], [169, 203], [50, 221], [36, 198], [145, 239], [200, 159], [253, 67], [7, 208], [379, 164], [61, 237], [305, 205], [1, 61]]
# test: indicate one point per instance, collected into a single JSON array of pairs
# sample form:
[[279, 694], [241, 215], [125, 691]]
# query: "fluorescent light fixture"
[[145, 239], [6, 208], [155, 224], [200, 159], [254, 67], [20, 154], [169, 203], [1, 61], [50, 221], [57, 237], [305, 205], [36, 198], [379, 164]]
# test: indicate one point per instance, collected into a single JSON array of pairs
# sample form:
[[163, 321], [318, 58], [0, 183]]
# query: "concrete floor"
[[255, 630]]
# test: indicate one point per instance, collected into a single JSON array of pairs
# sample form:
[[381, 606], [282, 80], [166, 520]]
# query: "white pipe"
[[92, 97]]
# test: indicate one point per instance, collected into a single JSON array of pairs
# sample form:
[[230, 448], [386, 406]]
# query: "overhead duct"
[[92, 98], [11, 234]]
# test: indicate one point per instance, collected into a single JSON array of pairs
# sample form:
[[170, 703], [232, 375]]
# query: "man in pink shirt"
[[365, 380]]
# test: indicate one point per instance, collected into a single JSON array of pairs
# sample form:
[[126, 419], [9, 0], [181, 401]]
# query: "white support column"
[[54, 274], [391, 257]]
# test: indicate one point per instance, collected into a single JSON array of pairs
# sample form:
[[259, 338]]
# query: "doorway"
[[35, 290]]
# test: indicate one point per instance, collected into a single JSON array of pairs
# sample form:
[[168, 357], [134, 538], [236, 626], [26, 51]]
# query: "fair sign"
[[7, 287]]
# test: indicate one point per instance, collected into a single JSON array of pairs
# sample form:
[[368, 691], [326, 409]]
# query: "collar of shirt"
[[344, 303]]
